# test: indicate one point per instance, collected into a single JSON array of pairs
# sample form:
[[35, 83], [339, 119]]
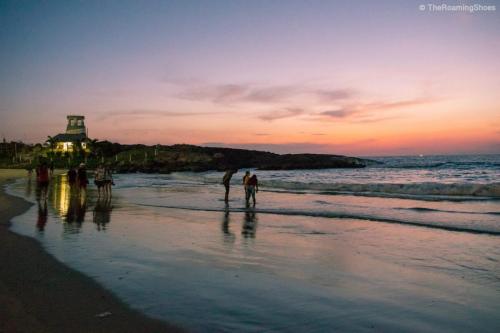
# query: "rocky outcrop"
[[164, 159]]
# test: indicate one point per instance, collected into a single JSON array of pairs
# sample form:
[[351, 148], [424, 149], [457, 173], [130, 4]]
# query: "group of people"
[[103, 179], [250, 185], [77, 179]]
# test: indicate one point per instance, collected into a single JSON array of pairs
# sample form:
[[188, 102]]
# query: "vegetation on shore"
[[165, 159]]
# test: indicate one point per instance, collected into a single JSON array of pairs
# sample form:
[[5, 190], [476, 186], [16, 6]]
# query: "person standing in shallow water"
[[246, 178], [252, 187], [226, 180], [42, 181], [99, 180], [108, 180]]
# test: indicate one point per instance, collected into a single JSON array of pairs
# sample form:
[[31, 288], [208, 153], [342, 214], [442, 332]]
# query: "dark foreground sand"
[[39, 294]]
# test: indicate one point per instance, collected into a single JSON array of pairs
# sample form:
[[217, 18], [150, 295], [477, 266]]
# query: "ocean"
[[412, 244]]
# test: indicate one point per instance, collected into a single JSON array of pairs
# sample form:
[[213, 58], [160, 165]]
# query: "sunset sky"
[[371, 78]]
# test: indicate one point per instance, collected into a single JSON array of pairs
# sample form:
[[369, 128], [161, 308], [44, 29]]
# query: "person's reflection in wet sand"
[[102, 212], [29, 188], [249, 223], [226, 220], [42, 215], [77, 208]]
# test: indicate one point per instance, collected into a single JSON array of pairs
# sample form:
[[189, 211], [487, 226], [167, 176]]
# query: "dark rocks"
[[167, 159]]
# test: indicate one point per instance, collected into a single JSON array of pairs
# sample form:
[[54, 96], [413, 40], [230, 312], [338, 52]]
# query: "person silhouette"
[[252, 187], [226, 181]]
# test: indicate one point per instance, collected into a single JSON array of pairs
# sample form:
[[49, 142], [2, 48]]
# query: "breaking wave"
[[421, 190], [443, 165]]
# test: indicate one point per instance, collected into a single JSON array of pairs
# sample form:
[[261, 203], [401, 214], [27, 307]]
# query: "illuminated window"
[[68, 146]]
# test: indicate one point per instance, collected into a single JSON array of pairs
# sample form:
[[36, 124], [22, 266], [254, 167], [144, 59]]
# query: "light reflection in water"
[[60, 195], [71, 204]]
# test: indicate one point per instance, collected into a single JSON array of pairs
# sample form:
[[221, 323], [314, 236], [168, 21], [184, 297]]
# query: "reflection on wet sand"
[[29, 187], [249, 223], [76, 209], [71, 205], [226, 229], [102, 212], [42, 215]]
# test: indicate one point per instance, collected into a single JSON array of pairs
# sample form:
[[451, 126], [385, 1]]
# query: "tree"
[[52, 143]]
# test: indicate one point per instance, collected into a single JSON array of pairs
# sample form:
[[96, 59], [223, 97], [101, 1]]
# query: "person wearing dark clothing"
[[226, 180], [108, 180], [42, 180], [252, 187], [246, 178], [99, 179]]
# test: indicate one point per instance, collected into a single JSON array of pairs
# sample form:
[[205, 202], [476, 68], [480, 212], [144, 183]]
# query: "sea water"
[[412, 244]]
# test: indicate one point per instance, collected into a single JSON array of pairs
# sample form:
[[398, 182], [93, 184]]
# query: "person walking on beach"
[[246, 178], [42, 180], [108, 180], [252, 187], [226, 180], [99, 180]]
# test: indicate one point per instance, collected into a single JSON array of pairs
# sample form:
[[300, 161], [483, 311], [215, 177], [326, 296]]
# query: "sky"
[[359, 78]]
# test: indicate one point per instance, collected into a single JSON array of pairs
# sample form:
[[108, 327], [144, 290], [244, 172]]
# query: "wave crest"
[[416, 189]]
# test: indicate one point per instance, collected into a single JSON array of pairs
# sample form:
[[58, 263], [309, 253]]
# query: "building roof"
[[64, 137]]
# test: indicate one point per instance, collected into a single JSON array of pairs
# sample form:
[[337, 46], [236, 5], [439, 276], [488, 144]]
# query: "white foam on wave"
[[418, 189]]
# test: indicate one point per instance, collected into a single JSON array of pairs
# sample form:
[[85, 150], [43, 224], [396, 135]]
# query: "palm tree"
[[52, 143], [93, 146]]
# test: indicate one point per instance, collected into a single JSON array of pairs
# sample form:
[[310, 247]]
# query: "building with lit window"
[[76, 135]]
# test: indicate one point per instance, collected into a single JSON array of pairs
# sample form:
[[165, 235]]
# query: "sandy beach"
[[39, 294]]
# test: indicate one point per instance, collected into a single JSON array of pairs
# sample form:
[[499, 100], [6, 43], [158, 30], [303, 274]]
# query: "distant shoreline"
[[40, 294]]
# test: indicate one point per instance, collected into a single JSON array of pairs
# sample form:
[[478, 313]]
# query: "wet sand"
[[40, 294], [177, 253]]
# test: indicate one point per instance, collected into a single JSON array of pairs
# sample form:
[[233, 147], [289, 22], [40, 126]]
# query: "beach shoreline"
[[40, 294]]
